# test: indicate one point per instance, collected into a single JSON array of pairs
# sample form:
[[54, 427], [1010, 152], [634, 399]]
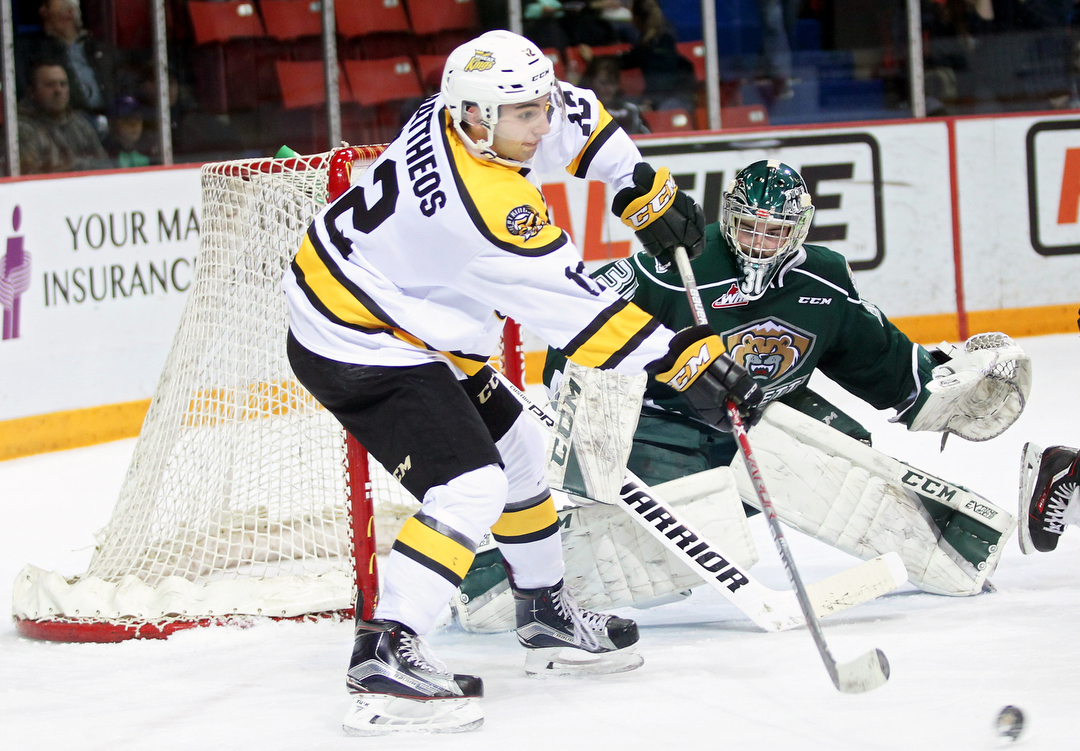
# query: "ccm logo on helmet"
[[656, 206]]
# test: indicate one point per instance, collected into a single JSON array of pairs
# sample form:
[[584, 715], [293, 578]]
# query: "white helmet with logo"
[[498, 67]]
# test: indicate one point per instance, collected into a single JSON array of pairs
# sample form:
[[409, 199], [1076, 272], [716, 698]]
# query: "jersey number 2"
[[366, 218]]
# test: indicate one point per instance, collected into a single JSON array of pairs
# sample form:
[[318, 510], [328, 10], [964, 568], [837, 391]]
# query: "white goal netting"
[[238, 497]]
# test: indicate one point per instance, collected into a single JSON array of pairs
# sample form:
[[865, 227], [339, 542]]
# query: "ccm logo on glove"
[[690, 365], [657, 204]]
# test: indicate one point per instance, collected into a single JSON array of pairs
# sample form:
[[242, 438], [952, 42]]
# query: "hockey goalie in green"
[[783, 309]]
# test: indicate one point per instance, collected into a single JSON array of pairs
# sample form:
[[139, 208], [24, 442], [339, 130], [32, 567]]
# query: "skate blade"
[[1030, 458], [557, 662], [380, 714]]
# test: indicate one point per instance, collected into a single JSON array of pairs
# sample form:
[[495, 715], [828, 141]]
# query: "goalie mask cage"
[[244, 497]]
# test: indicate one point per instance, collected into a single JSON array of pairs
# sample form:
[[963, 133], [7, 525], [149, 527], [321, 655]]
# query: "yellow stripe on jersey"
[[604, 127], [528, 524], [435, 549], [505, 207], [336, 301], [470, 365], [611, 336]]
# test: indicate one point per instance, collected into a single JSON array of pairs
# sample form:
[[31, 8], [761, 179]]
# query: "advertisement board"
[[95, 273]]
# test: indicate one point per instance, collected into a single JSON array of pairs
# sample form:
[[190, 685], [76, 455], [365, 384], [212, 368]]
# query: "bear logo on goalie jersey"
[[524, 222], [769, 350]]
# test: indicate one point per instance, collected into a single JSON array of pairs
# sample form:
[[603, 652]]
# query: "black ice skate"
[[1048, 492], [563, 639], [400, 686]]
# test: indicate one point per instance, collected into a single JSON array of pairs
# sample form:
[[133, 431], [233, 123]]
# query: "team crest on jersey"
[[524, 222], [481, 60], [768, 349], [733, 298]]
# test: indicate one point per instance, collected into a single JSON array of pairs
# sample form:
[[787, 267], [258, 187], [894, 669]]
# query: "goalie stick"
[[864, 673], [770, 609]]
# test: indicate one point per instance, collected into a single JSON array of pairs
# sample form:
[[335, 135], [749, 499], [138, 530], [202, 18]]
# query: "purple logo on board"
[[14, 277]]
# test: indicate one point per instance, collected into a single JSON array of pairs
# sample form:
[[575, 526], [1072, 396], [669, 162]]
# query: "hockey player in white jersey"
[[396, 300]]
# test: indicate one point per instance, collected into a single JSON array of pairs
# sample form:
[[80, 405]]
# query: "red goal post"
[[244, 498]]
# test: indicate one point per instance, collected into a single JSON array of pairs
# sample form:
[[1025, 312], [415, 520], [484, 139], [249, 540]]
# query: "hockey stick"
[[770, 609], [864, 673]]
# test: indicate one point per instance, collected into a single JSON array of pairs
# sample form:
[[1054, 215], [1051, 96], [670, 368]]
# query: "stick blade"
[[854, 586], [862, 674]]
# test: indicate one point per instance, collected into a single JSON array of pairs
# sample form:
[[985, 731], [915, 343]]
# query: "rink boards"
[[952, 226]]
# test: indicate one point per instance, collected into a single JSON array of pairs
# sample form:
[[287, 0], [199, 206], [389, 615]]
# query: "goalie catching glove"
[[698, 367], [978, 391], [663, 217]]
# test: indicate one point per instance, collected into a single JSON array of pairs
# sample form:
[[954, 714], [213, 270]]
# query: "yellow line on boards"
[[57, 431]]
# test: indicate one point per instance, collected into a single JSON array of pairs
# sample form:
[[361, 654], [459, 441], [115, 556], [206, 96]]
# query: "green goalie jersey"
[[811, 317]]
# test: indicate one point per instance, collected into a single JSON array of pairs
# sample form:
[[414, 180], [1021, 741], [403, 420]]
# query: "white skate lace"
[[1060, 498], [419, 654], [587, 624]]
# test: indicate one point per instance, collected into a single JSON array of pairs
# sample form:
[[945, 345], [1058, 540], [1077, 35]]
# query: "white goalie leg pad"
[[859, 500], [597, 414], [980, 391], [612, 561]]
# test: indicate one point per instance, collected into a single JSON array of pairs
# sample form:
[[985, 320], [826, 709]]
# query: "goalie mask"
[[765, 215], [495, 69]]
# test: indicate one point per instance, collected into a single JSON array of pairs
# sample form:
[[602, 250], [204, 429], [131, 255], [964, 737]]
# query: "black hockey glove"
[[663, 216], [697, 366]]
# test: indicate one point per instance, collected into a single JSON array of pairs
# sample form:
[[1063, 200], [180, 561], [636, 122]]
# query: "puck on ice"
[[1010, 722]]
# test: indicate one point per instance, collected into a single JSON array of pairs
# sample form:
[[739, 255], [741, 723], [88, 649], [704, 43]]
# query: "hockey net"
[[244, 497]]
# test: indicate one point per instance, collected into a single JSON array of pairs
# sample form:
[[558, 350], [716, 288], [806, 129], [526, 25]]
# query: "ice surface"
[[709, 677]]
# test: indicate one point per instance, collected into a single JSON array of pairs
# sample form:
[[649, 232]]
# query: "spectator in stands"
[[89, 62], [542, 23], [669, 77], [52, 136], [618, 14], [778, 19], [947, 46], [124, 144], [602, 76], [557, 24]]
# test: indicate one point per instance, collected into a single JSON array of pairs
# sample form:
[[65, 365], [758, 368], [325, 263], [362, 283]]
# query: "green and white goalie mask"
[[765, 215]]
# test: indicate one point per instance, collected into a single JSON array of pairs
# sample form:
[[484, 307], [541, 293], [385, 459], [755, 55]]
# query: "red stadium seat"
[[610, 50], [359, 17], [695, 53], [131, 24], [748, 116], [431, 70], [433, 16], [632, 82], [288, 20], [222, 21], [378, 81], [668, 121], [303, 83]]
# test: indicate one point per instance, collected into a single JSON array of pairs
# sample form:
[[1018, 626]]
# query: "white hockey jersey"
[[422, 258]]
